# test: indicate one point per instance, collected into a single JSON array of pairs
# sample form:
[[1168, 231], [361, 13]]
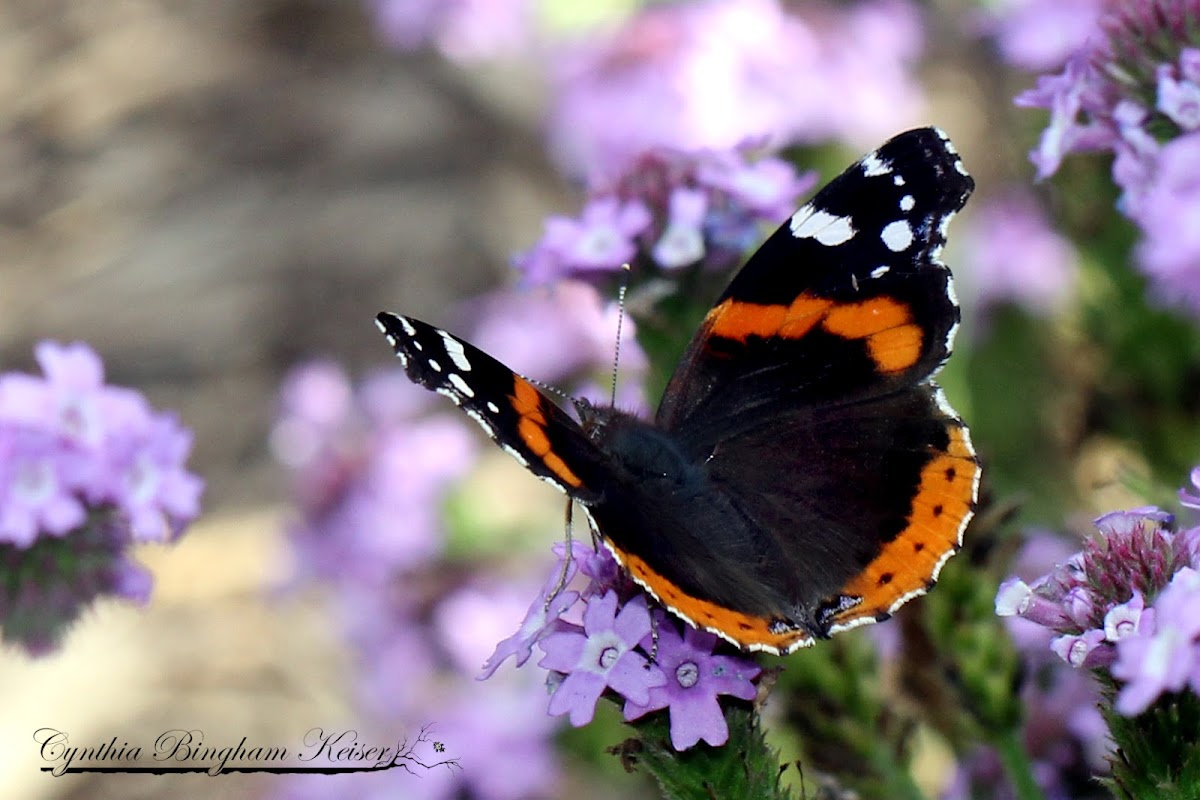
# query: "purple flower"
[[540, 621], [37, 493], [1041, 34], [1077, 100], [682, 242], [601, 657], [718, 73], [1134, 553], [1142, 50], [150, 482], [768, 187], [1169, 214], [1014, 255], [695, 679], [1084, 650], [557, 332], [704, 207], [464, 30], [1165, 657], [1191, 499], [603, 237]]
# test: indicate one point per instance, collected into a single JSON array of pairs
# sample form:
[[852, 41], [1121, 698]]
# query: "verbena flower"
[[696, 677], [1040, 34], [670, 210], [1128, 603], [716, 73], [1133, 89], [464, 30], [86, 471], [601, 656], [607, 649]]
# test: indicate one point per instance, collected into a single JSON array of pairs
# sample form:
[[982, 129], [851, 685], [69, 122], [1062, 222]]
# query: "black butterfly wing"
[[512, 411], [846, 300]]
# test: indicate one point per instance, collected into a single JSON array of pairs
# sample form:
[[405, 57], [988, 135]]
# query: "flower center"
[[687, 674], [608, 657]]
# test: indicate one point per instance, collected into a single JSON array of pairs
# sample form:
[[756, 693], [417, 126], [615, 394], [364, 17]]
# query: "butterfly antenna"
[[612, 401]]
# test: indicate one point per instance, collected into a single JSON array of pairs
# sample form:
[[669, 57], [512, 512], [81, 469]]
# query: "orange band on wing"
[[527, 402], [748, 632], [893, 339], [736, 320], [908, 564]]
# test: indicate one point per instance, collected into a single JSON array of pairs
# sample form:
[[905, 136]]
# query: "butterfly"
[[803, 474]]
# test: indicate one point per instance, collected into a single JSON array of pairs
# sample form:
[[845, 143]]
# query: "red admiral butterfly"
[[803, 474]]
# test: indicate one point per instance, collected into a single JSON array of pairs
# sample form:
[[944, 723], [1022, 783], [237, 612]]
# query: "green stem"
[[1017, 765], [894, 775]]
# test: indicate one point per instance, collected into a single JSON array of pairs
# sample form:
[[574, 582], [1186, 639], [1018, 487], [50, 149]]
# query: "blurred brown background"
[[208, 191]]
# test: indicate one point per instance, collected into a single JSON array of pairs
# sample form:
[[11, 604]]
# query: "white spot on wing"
[[873, 165], [512, 451], [907, 202], [879, 272], [828, 229], [460, 384], [435, 366], [407, 326], [898, 235], [456, 352], [898, 180], [492, 407]]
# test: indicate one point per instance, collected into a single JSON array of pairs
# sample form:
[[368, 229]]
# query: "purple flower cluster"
[[1040, 34], [668, 211], [1134, 90], [465, 30], [600, 640], [1128, 603], [86, 469], [374, 464], [717, 73]]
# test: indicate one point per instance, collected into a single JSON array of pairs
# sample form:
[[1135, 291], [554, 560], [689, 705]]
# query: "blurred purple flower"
[[601, 238], [682, 240], [464, 30], [37, 493], [1014, 255], [86, 470], [1191, 498], [695, 679], [150, 482], [716, 73], [1040, 34], [541, 620], [601, 656], [703, 207], [557, 332], [1169, 214]]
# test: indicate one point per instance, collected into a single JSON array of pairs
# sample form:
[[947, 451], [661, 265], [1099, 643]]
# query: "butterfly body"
[[803, 474]]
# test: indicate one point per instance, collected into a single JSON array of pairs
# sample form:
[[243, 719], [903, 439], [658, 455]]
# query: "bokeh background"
[[211, 192]]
